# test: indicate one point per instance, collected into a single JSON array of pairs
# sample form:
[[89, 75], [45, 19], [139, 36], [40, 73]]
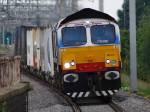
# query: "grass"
[[143, 87]]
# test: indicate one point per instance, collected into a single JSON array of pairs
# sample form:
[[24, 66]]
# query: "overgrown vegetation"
[[143, 45], [143, 38], [125, 50], [143, 87]]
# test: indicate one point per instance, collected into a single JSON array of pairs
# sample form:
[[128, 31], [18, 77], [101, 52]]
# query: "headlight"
[[114, 62], [107, 61], [72, 63], [67, 65]]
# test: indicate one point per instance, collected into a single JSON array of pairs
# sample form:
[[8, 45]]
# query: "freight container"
[[34, 44]]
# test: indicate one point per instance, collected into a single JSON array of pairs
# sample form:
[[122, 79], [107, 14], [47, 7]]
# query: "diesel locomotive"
[[86, 54]]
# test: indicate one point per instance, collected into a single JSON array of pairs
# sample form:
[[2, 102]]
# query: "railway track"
[[116, 107], [75, 107]]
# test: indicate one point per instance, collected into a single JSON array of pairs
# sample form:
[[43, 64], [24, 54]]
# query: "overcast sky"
[[110, 6]]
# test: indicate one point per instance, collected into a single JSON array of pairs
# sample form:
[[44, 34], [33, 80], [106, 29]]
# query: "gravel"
[[132, 102], [53, 108], [96, 108], [43, 99]]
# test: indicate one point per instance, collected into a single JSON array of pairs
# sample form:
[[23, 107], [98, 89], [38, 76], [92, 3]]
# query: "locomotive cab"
[[87, 58]]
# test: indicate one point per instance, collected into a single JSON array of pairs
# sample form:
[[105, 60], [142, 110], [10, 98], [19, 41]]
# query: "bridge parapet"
[[9, 71], [13, 92]]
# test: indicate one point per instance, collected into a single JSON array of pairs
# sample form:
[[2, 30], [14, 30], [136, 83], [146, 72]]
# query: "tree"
[[143, 37], [143, 45], [124, 13], [125, 50]]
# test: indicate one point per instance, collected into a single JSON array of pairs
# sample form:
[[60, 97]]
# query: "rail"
[[73, 105], [69, 101], [116, 107]]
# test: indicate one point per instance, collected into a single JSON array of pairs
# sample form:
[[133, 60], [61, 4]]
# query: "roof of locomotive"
[[86, 13]]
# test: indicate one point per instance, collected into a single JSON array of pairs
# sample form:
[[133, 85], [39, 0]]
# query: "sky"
[[110, 6]]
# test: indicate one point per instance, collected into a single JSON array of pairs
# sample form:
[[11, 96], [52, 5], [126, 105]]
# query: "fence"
[[13, 93]]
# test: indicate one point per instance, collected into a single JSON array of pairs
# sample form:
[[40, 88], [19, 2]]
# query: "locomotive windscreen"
[[103, 34], [74, 36]]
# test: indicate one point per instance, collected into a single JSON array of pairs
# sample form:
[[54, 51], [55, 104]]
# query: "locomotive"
[[86, 54]]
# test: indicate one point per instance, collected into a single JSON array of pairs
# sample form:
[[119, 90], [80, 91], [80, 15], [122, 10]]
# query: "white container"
[[39, 49], [29, 48]]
